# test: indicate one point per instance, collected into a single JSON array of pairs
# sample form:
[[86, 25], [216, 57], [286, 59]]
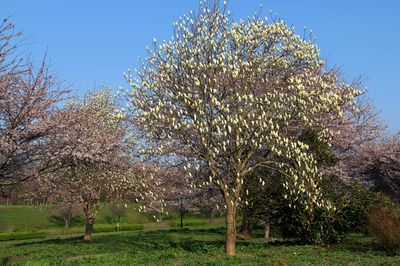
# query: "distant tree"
[[186, 195], [91, 152], [379, 165], [229, 97], [28, 98]]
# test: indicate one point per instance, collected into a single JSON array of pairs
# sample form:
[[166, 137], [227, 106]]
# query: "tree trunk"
[[90, 217], [230, 240], [88, 231], [266, 229], [246, 228], [67, 221]]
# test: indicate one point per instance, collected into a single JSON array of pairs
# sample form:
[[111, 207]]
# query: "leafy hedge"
[[193, 222], [21, 235], [98, 228]]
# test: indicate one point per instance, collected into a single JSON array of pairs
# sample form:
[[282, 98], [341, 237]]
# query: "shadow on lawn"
[[4, 261], [199, 240]]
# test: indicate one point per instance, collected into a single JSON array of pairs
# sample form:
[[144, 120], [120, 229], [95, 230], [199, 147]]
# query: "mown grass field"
[[22, 218], [194, 246]]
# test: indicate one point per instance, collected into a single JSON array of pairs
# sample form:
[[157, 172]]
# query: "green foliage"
[[21, 235], [353, 205], [352, 202], [319, 147]]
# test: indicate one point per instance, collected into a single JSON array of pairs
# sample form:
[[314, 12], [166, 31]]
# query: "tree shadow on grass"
[[196, 240], [359, 243], [184, 239]]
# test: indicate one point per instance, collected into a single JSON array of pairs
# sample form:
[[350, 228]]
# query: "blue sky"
[[94, 42]]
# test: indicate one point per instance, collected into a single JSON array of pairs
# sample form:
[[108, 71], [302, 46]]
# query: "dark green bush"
[[99, 228], [21, 235], [352, 202]]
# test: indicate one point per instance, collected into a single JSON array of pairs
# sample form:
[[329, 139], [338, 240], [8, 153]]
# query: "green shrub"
[[101, 228], [384, 226], [352, 204], [98, 228], [21, 235], [130, 227], [190, 222]]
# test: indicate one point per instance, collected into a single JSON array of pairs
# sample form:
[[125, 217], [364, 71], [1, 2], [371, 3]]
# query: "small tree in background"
[[379, 165], [230, 96], [90, 150]]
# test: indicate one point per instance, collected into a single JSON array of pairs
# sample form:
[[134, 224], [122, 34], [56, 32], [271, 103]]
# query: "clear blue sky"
[[94, 42]]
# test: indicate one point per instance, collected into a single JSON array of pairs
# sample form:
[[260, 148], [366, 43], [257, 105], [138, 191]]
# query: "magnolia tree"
[[228, 96], [28, 98]]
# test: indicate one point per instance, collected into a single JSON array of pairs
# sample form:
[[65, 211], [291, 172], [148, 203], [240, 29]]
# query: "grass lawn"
[[201, 245], [14, 218]]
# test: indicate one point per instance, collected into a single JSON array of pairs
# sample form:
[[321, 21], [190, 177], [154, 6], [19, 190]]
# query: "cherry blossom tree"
[[28, 98], [379, 165], [184, 195], [90, 150], [228, 96]]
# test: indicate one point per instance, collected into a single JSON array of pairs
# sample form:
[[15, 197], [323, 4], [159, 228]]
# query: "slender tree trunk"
[[67, 221], [230, 240], [246, 228], [266, 229]]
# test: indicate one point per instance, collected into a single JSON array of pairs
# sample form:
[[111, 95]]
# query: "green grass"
[[22, 218], [159, 244], [196, 246], [113, 228], [22, 235], [14, 218]]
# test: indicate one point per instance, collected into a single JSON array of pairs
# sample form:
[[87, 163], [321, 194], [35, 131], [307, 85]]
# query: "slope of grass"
[[27, 218], [196, 246], [22, 218]]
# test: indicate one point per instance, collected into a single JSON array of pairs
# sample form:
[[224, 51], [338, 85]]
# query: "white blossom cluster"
[[233, 96]]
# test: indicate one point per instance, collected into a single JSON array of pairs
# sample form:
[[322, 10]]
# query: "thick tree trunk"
[[88, 231], [230, 240], [90, 214], [246, 228], [266, 229]]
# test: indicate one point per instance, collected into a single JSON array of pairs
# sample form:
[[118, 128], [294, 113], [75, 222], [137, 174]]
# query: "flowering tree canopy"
[[28, 97], [91, 152], [230, 97]]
